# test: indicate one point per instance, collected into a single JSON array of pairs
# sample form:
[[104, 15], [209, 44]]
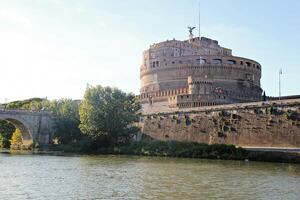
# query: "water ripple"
[[121, 177]]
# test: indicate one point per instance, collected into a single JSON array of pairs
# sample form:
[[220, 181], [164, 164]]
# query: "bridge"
[[35, 126]]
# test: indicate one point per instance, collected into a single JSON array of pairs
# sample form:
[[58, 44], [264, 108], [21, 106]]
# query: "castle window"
[[157, 63], [248, 77], [248, 64], [242, 63], [231, 62], [216, 61], [200, 61]]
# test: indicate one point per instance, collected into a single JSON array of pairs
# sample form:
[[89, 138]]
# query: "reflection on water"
[[113, 177]]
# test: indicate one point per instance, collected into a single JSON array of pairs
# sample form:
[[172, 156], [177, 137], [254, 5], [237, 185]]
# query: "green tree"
[[110, 113], [6, 131], [16, 139], [66, 117]]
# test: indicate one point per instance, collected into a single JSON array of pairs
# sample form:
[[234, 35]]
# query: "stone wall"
[[272, 124]]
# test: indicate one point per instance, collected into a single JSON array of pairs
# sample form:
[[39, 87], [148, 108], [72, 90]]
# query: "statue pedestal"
[[191, 36]]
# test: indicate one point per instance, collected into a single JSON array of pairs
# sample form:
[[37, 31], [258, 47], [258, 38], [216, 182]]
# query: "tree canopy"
[[66, 117], [108, 112]]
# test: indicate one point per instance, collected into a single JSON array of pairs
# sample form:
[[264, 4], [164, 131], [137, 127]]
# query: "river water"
[[124, 177]]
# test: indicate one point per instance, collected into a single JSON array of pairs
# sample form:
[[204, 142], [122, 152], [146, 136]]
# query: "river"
[[126, 177]]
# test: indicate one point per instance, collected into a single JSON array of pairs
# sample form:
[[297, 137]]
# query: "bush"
[[182, 149]]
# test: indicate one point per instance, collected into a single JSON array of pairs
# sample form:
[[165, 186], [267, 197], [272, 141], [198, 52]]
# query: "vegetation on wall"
[[28, 104]]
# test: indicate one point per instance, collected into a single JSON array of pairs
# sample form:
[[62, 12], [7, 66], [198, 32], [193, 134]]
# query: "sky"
[[55, 48]]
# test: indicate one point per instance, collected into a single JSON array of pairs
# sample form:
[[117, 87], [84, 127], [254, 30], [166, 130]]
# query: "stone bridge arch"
[[26, 131], [34, 126]]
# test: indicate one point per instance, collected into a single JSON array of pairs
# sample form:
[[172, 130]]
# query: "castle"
[[194, 73]]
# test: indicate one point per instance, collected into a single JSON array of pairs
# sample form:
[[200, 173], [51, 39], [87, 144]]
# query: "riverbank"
[[171, 149], [186, 150]]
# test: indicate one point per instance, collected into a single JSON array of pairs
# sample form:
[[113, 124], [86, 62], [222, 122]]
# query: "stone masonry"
[[261, 124], [34, 126]]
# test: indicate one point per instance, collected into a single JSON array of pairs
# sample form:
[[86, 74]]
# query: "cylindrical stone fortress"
[[196, 72]]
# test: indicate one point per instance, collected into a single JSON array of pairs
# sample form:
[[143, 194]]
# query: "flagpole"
[[199, 22], [280, 73]]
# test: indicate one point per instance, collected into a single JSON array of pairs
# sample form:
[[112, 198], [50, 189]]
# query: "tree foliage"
[[28, 104], [66, 117], [16, 139], [6, 131], [110, 113]]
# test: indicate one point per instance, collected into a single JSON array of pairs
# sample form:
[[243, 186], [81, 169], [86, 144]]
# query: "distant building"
[[196, 72]]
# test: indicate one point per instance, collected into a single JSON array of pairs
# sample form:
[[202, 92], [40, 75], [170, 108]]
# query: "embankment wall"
[[262, 124]]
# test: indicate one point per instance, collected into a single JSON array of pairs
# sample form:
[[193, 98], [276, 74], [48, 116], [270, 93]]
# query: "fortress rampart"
[[258, 124]]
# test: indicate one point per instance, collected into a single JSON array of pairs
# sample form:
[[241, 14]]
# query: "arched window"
[[231, 62], [216, 61], [248, 64]]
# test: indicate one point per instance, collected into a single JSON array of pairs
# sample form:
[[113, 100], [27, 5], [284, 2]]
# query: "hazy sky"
[[53, 48]]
